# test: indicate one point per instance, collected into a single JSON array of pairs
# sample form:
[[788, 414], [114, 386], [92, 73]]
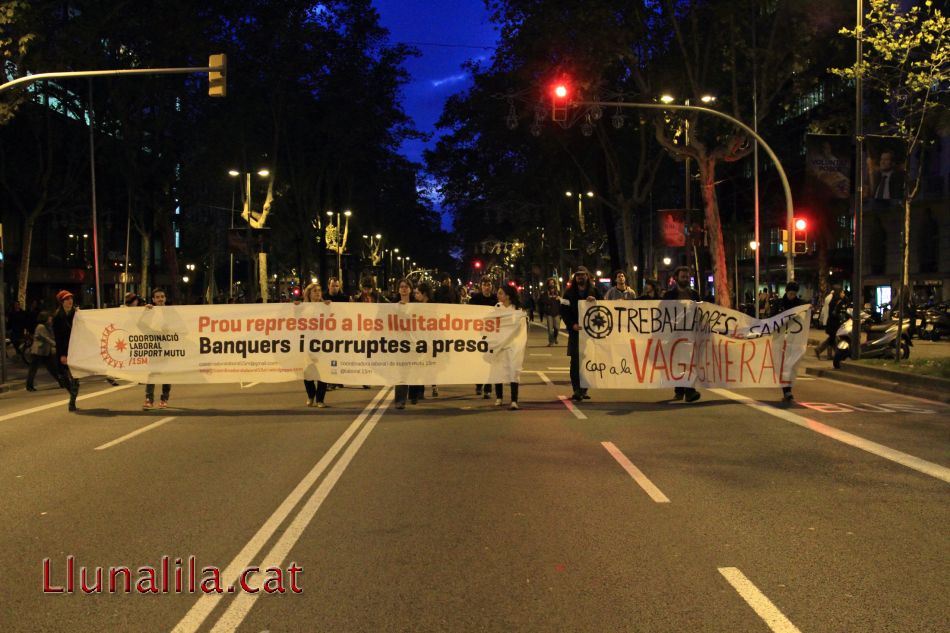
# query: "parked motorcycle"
[[936, 324], [880, 341]]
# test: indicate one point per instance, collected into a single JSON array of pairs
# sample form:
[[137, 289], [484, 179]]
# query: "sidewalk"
[[867, 375]]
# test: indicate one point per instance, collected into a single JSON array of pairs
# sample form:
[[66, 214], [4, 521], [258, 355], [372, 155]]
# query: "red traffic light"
[[560, 96], [477, 264], [801, 224], [296, 291], [560, 91]]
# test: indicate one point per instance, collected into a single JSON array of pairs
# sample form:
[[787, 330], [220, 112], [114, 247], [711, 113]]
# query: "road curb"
[[926, 387]]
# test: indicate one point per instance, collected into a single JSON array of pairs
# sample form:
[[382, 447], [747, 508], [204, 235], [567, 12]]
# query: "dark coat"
[[445, 294], [674, 294], [573, 296], [62, 329]]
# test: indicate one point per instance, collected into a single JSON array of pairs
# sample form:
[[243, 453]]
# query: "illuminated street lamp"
[[336, 238], [580, 205], [246, 214]]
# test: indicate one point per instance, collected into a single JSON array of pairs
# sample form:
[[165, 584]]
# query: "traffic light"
[[800, 237], [296, 291], [784, 246], [560, 97], [477, 265], [218, 79]]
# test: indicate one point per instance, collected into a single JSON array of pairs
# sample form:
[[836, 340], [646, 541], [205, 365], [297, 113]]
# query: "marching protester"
[[445, 293], [651, 290], [43, 351], [316, 392], [423, 294], [463, 295], [62, 329], [621, 290], [788, 301], [413, 392], [581, 290], [508, 299], [368, 292], [550, 305], [837, 313], [335, 291], [158, 299], [485, 297], [682, 291], [529, 304]]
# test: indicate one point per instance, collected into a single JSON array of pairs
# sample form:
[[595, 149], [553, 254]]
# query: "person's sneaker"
[[788, 397], [414, 400], [817, 354], [146, 405], [112, 381], [310, 401], [320, 405], [585, 396], [497, 402], [577, 397], [478, 391], [400, 405], [678, 395], [435, 392], [692, 396], [514, 406], [72, 405], [487, 395], [163, 404]]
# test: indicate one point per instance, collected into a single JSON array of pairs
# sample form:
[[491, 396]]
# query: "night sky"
[[447, 33]]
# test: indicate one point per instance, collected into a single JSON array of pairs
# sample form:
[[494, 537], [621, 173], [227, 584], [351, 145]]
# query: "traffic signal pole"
[[789, 207]]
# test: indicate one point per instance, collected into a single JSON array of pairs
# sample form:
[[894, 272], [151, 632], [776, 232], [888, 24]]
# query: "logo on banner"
[[598, 322], [113, 346], [119, 348]]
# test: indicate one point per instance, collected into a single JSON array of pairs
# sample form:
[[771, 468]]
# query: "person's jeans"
[[150, 392], [514, 391], [315, 391], [551, 321]]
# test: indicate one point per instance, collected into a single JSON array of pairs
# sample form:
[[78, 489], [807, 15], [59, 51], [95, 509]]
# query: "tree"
[[906, 61]]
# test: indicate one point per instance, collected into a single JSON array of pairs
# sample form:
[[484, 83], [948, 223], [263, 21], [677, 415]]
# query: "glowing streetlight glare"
[[667, 261], [635, 269], [379, 236], [330, 213], [666, 98], [707, 98], [600, 273], [395, 250], [263, 172], [568, 194], [754, 245], [185, 278], [590, 194], [347, 213], [233, 172]]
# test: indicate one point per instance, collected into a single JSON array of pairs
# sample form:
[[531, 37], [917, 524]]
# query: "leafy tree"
[[907, 62]]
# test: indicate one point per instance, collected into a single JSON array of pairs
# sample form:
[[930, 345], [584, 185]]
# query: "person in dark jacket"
[[487, 296], [682, 291], [158, 299], [550, 306], [334, 291], [62, 329], [651, 290], [445, 293], [837, 312], [788, 301], [581, 290]]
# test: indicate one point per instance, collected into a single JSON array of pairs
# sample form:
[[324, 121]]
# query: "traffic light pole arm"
[[110, 73], [789, 206]]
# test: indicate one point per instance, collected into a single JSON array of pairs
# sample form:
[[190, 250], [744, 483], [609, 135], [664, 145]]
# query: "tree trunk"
[[262, 272], [717, 252], [146, 261], [905, 260], [23, 275], [626, 215]]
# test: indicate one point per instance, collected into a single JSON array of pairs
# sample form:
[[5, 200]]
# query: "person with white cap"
[[580, 290]]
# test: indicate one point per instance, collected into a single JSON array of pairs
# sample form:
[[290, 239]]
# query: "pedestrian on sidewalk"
[[581, 290], [788, 301], [158, 300], [683, 291], [43, 351], [62, 330], [508, 300]]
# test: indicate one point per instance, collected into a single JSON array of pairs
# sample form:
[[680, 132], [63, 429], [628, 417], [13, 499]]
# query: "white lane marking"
[[545, 378], [249, 385], [244, 602], [540, 354], [921, 465], [570, 407], [62, 403], [648, 486], [200, 611], [559, 368], [758, 601], [797, 378], [128, 436]]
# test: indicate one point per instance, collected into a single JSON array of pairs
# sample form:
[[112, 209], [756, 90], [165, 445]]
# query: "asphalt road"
[[626, 513]]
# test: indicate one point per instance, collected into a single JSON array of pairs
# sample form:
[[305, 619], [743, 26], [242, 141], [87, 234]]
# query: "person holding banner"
[[788, 301], [408, 391], [158, 299], [581, 290], [334, 292], [508, 299], [486, 297], [651, 290], [682, 291], [316, 391], [62, 329]]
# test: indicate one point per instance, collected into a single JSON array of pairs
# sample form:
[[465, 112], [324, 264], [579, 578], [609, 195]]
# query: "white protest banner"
[[342, 343], [650, 344]]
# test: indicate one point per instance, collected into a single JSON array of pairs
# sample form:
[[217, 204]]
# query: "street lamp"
[[336, 238], [580, 205], [246, 214], [667, 261]]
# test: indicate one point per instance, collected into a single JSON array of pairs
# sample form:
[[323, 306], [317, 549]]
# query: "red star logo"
[[120, 345]]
